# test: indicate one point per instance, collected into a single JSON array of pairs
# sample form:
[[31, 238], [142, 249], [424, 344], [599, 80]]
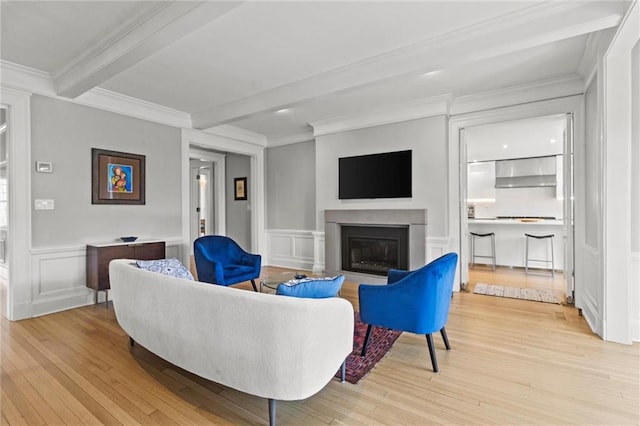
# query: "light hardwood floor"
[[516, 277], [512, 362]]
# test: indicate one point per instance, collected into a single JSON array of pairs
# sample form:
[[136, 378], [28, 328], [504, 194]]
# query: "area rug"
[[380, 342], [536, 295]]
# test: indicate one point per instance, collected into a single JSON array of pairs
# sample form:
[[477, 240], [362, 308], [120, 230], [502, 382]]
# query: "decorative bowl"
[[128, 239]]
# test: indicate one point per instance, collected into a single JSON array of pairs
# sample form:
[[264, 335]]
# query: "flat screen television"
[[386, 175]]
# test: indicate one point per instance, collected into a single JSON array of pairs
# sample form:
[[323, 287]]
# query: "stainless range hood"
[[526, 172]]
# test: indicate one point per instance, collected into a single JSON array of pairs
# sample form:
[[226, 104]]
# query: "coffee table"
[[271, 281]]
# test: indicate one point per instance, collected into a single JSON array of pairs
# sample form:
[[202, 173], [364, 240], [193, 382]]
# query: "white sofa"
[[275, 347]]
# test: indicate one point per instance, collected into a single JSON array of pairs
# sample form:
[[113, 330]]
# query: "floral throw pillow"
[[171, 267]]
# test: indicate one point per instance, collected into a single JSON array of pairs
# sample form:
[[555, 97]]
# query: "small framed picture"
[[240, 188], [118, 177]]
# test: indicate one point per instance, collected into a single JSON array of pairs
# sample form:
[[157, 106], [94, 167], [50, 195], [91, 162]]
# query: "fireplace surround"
[[414, 220]]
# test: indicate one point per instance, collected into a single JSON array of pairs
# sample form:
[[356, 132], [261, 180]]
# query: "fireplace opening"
[[374, 249]]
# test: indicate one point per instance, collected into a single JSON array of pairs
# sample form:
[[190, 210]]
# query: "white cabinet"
[[481, 179]]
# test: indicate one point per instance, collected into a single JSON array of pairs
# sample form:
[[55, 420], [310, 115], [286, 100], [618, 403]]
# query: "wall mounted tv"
[[386, 175]]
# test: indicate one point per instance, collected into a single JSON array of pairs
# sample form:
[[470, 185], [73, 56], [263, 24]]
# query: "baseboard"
[[634, 279], [62, 303]]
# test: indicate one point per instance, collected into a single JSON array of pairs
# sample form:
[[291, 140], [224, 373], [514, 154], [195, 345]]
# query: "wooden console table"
[[99, 256]]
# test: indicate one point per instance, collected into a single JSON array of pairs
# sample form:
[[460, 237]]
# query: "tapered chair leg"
[[366, 340], [272, 412], [343, 371], [432, 352], [443, 332], [253, 283]]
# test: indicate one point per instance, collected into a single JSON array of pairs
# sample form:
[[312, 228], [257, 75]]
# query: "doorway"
[[516, 178], [202, 198]]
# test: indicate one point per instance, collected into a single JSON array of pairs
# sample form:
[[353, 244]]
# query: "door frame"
[[458, 222], [19, 286], [197, 139]]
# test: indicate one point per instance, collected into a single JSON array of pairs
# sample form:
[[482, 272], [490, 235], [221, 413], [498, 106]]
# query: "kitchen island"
[[510, 241]]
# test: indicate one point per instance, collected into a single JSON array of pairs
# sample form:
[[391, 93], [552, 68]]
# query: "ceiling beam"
[[527, 28], [163, 25]]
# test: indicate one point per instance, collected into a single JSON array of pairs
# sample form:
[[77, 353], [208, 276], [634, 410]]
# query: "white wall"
[[426, 137]]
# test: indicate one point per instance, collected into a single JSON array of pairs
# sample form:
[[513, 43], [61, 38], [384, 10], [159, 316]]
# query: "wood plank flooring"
[[512, 362]]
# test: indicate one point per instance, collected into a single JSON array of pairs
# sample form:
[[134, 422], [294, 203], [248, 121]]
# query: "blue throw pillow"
[[171, 267], [313, 288]]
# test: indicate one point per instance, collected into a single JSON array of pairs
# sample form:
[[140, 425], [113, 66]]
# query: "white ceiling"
[[239, 63]]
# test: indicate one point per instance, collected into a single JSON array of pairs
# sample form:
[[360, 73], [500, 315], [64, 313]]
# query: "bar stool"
[[473, 236], [526, 252]]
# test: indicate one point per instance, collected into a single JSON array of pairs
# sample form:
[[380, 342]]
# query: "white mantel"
[[415, 219]]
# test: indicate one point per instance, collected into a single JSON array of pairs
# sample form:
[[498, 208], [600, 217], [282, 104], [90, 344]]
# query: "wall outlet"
[[43, 204]]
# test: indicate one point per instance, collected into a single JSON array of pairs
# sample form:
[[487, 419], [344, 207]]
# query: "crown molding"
[[133, 107], [132, 42], [38, 82], [26, 79], [302, 135], [236, 133], [437, 105], [520, 94]]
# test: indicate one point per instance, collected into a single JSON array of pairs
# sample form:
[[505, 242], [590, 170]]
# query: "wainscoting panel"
[[290, 249], [58, 277], [436, 247]]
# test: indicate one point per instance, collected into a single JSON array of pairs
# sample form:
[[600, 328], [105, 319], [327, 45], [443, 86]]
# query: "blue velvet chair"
[[220, 260], [415, 301]]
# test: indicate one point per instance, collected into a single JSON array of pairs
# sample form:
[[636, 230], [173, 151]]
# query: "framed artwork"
[[240, 188], [118, 177]]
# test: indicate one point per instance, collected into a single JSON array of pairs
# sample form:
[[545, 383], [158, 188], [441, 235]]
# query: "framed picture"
[[118, 177], [240, 188]]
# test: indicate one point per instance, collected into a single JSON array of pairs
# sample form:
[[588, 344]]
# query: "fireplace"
[[374, 249], [414, 221]]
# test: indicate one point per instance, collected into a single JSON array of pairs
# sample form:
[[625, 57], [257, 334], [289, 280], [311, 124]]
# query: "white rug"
[[536, 295]]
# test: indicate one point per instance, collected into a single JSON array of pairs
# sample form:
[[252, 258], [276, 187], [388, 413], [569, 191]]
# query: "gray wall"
[[426, 137], [238, 211], [64, 133], [291, 186]]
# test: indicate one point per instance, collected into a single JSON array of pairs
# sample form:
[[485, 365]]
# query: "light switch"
[[43, 204]]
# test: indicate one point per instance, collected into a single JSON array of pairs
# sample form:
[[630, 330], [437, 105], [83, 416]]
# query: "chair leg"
[[432, 353], [272, 412], [443, 332], [343, 371], [253, 283], [366, 340]]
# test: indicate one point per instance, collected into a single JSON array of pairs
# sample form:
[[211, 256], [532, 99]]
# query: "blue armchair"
[[415, 301], [220, 260]]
